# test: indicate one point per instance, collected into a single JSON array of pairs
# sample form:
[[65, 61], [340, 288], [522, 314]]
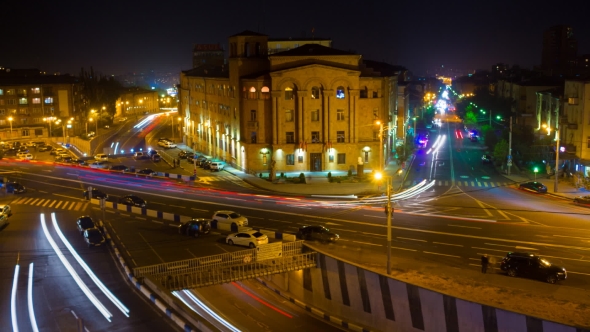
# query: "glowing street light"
[[10, 120]]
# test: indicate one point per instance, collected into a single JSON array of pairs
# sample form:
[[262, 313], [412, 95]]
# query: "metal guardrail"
[[208, 263], [220, 275]]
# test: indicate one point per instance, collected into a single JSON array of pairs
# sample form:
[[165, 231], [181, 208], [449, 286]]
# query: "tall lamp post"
[[389, 211], [10, 120], [50, 121], [380, 145], [556, 159]]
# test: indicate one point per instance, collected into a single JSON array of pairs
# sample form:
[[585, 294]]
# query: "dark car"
[[79, 162], [533, 186], [317, 233], [119, 168], [191, 157], [182, 154], [15, 187], [152, 152], [45, 148], [195, 227], [11, 152], [93, 237], [486, 159], [156, 157], [201, 160], [132, 200], [532, 266], [582, 200], [85, 222], [146, 172], [206, 164], [95, 194]]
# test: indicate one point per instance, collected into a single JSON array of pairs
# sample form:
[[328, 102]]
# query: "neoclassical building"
[[311, 108]]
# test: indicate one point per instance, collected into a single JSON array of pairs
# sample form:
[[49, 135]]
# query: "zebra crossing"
[[53, 203], [477, 184]]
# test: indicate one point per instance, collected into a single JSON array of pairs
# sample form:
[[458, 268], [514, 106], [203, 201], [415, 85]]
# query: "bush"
[[349, 172], [260, 175], [282, 174], [329, 175], [302, 178]]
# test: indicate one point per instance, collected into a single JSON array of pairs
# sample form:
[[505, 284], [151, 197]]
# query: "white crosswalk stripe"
[[478, 184], [52, 203]]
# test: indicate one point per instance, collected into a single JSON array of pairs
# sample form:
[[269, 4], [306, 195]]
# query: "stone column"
[[275, 120], [301, 95], [326, 114], [353, 122]]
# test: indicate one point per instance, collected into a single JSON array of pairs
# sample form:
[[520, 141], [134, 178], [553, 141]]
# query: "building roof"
[[208, 71], [33, 76], [312, 49], [299, 39], [382, 68], [248, 33]]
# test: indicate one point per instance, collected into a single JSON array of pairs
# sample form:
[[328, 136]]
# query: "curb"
[[146, 291], [317, 312]]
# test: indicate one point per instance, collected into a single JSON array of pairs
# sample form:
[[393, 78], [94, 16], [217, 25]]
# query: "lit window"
[[23, 101], [36, 90], [36, 100], [340, 93], [288, 94], [1, 92], [48, 100], [252, 93], [315, 136], [289, 116], [290, 159], [265, 91], [315, 93]]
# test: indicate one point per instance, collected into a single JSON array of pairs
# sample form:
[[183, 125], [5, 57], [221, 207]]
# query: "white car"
[[24, 155], [167, 144], [98, 165], [101, 157], [229, 217], [250, 239], [91, 134], [216, 166], [5, 209]]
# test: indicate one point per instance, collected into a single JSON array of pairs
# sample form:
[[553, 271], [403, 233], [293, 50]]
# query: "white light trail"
[[207, 310], [13, 299], [83, 264], [30, 300], [116, 147], [103, 310]]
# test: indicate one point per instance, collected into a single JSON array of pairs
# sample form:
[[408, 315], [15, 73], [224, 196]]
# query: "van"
[[217, 166]]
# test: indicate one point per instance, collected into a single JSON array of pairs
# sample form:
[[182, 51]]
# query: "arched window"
[[315, 93], [265, 91], [288, 93], [340, 92], [252, 94]]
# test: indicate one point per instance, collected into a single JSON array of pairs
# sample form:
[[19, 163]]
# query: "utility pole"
[[509, 163], [556, 161]]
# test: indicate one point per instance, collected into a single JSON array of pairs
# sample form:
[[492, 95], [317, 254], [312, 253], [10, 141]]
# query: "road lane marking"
[[374, 234], [157, 222], [435, 253], [488, 249], [484, 208], [569, 259], [503, 245], [199, 210], [152, 248], [367, 243], [403, 249], [464, 226], [449, 244], [586, 274], [279, 220], [66, 196], [407, 238], [572, 237], [481, 254], [178, 206]]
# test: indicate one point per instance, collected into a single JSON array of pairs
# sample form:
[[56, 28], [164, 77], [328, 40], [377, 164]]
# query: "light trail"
[[201, 305], [13, 299], [30, 300]]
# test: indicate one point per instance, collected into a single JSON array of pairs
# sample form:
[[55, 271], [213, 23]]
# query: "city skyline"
[[136, 38]]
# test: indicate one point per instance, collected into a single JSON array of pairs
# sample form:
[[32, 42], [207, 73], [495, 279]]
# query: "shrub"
[[302, 178], [330, 175], [282, 174], [349, 172], [260, 175]]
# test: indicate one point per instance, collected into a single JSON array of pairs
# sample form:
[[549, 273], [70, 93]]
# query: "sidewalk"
[[565, 189], [317, 183]]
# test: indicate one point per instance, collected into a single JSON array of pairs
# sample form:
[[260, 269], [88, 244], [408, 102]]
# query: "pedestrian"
[[484, 263], [173, 163]]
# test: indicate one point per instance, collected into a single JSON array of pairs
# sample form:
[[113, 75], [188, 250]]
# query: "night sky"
[[117, 37]]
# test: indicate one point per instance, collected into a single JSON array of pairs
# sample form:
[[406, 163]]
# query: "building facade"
[[576, 127], [30, 102], [208, 54], [312, 108], [137, 101], [284, 44]]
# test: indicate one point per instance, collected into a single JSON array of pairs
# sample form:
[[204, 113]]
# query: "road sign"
[[509, 157], [509, 164], [269, 251]]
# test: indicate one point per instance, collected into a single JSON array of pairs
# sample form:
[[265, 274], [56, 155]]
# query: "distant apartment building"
[[576, 124], [559, 54], [137, 101], [208, 54], [31, 100], [311, 108]]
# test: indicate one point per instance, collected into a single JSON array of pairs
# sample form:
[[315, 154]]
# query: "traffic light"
[[387, 208]]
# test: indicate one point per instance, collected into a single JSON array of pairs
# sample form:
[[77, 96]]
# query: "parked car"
[[201, 160], [30, 144], [15, 187], [5, 209], [119, 168], [139, 156], [98, 165], [152, 152], [582, 200], [250, 239], [3, 220], [229, 217], [132, 200], [535, 186], [10, 152], [156, 157], [532, 266], [166, 144], [39, 144], [93, 237], [24, 156], [486, 159], [101, 157], [206, 164], [66, 158], [164, 139], [23, 148], [95, 194], [216, 166], [191, 158], [85, 222], [317, 233], [79, 162], [195, 227], [91, 134], [146, 172]]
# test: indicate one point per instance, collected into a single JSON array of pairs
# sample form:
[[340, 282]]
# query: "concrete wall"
[[380, 303]]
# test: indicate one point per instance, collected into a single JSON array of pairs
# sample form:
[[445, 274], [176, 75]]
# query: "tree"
[[501, 151], [470, 118]]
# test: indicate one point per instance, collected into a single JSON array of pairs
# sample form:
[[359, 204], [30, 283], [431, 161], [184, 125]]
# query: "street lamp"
[[389, 211], [380, 145], [536, 169], [10, 120], [49, 120]]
